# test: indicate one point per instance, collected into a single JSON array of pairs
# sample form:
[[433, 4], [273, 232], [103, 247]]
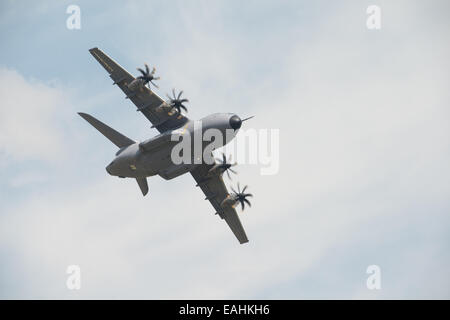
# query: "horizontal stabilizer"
[[115, 137], [142, 182]]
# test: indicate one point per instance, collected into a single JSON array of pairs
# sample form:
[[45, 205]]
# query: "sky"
[[364, 148]]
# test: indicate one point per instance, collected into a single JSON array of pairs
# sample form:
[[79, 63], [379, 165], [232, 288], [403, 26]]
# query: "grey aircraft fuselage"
[[154, 156]]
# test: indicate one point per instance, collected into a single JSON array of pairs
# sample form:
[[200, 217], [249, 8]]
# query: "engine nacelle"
[[215, 170], [136, 84], [229, 201]]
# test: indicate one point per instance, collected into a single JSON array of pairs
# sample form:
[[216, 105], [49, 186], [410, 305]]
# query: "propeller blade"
[[141, 71]]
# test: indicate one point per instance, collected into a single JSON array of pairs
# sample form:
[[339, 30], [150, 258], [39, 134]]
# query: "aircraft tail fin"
[[115, 137], [142, 182]]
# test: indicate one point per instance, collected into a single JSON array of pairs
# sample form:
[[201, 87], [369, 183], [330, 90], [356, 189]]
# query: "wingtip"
[[85, 116], [92, 49]]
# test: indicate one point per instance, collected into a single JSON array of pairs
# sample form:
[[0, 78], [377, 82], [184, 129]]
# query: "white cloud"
[[364, 157], [29, 127], [26, 179]]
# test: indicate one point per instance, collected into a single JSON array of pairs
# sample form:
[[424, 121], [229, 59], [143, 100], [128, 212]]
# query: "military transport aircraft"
[[151, 157]]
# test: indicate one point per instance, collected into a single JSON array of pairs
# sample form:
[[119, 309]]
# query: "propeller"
[[176, 101], [148, 76], [225, 166], [241, 196]]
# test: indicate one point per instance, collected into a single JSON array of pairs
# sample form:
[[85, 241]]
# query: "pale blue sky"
[[364, 151]]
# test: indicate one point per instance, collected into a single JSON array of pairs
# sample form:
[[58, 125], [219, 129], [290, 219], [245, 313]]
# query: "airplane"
[[151, 157]]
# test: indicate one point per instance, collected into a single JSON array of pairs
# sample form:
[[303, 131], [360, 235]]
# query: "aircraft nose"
[[235, 122]]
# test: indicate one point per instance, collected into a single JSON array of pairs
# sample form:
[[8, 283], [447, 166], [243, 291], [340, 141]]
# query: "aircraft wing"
[[215, 191], [148, 102]]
